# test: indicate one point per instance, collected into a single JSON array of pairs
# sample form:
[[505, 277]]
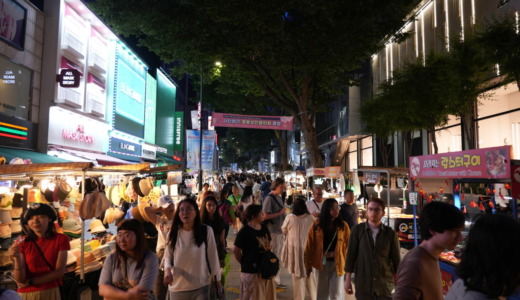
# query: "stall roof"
[[43, 168], [392, 170], [35, 157]]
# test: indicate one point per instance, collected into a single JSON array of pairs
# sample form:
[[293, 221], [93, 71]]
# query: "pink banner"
[[480, 163], [257, 122]]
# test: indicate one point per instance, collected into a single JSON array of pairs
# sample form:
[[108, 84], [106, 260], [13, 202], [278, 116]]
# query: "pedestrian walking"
[[314, 205], [326, 250], [234, 198], [163, 224], [373, 256], [130, 272], [247, 252], [296, 229], [40, 259], [274, 210], [419, 274], [349, 210], [191, 255], [490, 264]]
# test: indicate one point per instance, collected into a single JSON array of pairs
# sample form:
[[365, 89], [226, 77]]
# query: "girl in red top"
[[40, 259]]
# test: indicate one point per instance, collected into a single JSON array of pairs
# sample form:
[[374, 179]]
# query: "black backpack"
[[268, 263]]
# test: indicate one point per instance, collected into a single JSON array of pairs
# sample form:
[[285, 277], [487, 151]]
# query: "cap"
[[39, 209], [165, 201], [71, 225]]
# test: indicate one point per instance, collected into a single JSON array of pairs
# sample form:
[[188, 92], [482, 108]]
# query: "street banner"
[[194, 119], [193, 148], [315, 172], [333, 172], [479, 163], [251, 121]]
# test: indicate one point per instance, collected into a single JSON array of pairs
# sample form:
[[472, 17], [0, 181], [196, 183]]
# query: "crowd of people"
[[321, 243]]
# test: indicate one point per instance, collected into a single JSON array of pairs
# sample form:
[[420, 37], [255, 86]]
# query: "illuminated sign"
[[78, 135], [179, 129], [69, 78], [125, 147]]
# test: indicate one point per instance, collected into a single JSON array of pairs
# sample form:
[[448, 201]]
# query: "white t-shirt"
[[164, 226], [314, 206]]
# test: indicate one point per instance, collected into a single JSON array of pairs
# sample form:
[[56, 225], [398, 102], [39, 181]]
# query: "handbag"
[[60, 287], [324, 259]]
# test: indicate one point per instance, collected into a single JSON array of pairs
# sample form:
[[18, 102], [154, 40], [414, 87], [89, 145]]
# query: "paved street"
[[233, 280]]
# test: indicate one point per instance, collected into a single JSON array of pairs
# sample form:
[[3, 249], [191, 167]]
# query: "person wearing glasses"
[[326, 249], [130, 272], [191, 258], [373, 256], [40, 259]]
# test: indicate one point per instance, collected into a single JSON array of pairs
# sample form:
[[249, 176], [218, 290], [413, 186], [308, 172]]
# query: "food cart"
[[477, 181]]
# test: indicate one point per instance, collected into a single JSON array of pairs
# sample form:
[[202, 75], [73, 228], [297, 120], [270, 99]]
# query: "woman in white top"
[[296, 228], [246, 200], [191, 258]]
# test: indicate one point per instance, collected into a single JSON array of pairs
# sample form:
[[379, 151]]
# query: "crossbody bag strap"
[[336, 232], [43, 256], [316, 204], [275, 201]]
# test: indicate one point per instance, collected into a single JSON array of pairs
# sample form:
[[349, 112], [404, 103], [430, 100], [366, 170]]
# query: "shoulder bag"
[[50, 267]]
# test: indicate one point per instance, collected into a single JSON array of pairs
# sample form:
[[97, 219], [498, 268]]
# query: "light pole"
[[200, 133]]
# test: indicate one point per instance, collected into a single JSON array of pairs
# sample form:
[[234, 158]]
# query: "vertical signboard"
[[193, 149], [166, 93], [129, 92], [179, 130], [150, 109]]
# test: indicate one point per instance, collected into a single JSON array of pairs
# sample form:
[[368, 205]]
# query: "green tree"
[[501, 41], [298, 53]]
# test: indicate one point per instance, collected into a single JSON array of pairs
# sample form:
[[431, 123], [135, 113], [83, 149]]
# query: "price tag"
[[413, 198]]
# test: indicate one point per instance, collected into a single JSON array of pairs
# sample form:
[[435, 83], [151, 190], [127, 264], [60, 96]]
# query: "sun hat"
[[5, 258], [141, 206], [71, 258], [5, 217], [155, 194], [17, 200], [102, 205], [136, 187], [87, 207], [74, 196], [136, 214], [39, 209], [114, 195], [5, 231], [6, 202], [16, 212], [96, 226], [16, 226], [145, 186], [5, 243], [75, 243], [48, 195], [63, 189]]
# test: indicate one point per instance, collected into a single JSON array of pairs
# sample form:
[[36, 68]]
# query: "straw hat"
[[5, 217], [102, 204], [141, 206], [5, 258], [16, 212], [75, 243], [113, 195], [145, 186], [71, 258], [155, 194], [96, 226], [16, 226], [136, 214], [136, 186], [62, 189], [6, 202], [83, 208], [5, 231]]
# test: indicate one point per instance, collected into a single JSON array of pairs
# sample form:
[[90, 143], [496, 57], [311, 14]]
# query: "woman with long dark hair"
[[191, 258], [40, 259], [490, 263], [296, 228], [130, 272], [226, 210], [210, 216], [247, 252], [246, 200], [326, 250]]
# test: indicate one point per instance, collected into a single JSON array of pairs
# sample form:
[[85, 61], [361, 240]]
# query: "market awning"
[[37, 168], [102, 159], [35, 157]]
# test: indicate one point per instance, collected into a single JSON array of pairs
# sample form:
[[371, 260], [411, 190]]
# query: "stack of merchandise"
[[11, 207]]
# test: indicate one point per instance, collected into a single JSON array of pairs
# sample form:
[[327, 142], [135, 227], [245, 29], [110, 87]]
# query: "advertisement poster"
[[193, 149], [12, 23], [15, 85], [250, 121], [492, 162]]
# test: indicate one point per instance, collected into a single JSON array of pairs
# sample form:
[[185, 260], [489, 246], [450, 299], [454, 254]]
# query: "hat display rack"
[[57, 184]]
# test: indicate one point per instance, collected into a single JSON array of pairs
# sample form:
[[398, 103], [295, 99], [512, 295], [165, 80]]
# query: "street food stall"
[[479, 181]]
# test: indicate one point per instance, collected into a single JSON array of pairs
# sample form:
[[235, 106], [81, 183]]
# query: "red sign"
[[257, 122], [479, 163], [515, 182]]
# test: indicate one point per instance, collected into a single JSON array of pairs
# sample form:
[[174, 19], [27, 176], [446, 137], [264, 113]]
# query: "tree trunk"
[[468, 127], [311, 142], [433, 139], [408, 144], [383, 148], [283, 149]]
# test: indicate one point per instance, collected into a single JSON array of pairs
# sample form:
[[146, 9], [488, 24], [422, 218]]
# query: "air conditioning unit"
[[70, 97]]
